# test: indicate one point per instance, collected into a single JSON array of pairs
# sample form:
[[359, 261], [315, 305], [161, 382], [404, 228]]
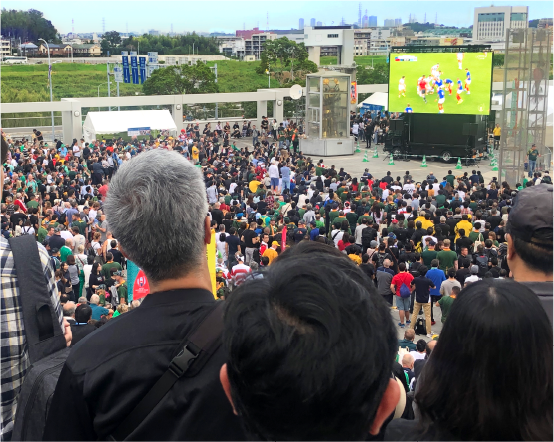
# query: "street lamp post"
[[50, 81]]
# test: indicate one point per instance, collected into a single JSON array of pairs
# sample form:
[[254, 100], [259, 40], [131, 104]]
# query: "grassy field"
[[362, 60], [477, 102], [68, 81]]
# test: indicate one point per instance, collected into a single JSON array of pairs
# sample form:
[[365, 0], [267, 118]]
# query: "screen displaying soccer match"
[[441, 83]]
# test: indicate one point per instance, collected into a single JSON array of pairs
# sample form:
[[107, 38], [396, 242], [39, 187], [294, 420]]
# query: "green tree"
[[113, 38], [378, 75], [284, 57], [28, 25], [171, 80]]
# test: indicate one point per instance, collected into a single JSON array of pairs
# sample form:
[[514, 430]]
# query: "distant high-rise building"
[[389, 22], [319, 23], [372, 21], [397, 22], [312, 22], [365, 20], [301, 24], [490, 23]]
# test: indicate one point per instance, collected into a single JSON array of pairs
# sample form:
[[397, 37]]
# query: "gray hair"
[[69, 309], [82, 300], [157, 209], [135, 304], [95, 299]]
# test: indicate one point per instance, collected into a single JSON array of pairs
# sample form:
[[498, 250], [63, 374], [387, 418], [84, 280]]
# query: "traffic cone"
[[492, 158], [358, 147], [459, 164], [424, 162], [391, 161], [495, 164], [375, 153], [365, 160]]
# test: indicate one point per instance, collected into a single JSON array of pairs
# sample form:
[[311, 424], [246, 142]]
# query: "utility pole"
[[50, 81], [108, 75]]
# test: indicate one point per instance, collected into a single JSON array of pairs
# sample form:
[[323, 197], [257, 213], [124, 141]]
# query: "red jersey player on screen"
[[468, 81], [423, 88], [459, 92]]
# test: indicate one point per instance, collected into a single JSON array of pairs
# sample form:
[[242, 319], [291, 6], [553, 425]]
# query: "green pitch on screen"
[[413, 66]]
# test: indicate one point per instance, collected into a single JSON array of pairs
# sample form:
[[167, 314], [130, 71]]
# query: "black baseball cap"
[[531, 212]]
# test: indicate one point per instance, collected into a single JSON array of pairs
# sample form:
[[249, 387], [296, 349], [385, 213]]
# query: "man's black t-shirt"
[[368, 269], [461, 275], [422, 285], [494, 220], [388, 179], [248, 236], [217, 215], [117, 256], [299, 234], [464, 241]]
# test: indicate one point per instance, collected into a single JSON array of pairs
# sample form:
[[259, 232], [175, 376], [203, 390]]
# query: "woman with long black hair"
[[490, 375]]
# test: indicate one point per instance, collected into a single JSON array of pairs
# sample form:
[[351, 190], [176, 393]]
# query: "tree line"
[[162, 44]]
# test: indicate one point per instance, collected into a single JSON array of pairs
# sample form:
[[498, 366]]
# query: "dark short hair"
[[420, 345], [324, 310], [501, 406], [83, 313]]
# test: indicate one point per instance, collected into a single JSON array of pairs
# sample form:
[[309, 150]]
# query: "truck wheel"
[[446, 156]]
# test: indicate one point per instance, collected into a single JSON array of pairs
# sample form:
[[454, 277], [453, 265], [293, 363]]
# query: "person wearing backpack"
[[400, 285], [481, 260], [422, 286]]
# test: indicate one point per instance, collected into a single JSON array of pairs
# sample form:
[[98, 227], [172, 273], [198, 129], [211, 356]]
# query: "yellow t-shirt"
[[496, 131], [271, 254], [355, 258], [195, 153]]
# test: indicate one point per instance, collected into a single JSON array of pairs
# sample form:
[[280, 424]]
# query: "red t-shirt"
[[402, 278], [103, 191]]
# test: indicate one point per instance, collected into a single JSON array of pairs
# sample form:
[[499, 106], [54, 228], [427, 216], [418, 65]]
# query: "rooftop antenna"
[[425, 18], [103, 25], [172, 28], [267, 22], [359, 14], [436, 15], [244, 26], [72, 26]]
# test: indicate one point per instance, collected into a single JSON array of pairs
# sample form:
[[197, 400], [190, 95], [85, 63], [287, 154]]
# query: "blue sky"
[[227, 16]]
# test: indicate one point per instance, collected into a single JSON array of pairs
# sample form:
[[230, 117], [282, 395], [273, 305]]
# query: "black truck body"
[[439, 136]]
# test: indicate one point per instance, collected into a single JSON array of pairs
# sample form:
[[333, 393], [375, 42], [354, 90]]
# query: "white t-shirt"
[[409, 187], [273, 171], [76, 151], [417, 355]]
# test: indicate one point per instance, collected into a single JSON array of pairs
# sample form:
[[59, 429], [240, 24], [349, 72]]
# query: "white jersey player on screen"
[[402, 87], [430, 81], [435, 70], [460, 57]]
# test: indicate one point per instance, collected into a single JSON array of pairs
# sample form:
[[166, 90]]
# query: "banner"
[[141, 288], [132, 272], [125, 61], [353, 92], [134, 67], [284, 239], [118, 74], [152, 62], [210, 254], [142, 64], [136, 131]]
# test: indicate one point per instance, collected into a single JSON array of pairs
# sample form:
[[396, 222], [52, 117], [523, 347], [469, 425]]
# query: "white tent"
[[377, 98], [115, 122]]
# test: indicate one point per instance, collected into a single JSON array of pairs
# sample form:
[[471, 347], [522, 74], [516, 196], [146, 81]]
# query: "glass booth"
[[328, 115]]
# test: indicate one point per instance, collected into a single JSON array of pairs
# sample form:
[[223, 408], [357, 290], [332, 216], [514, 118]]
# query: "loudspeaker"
[[469, 129], [396, 125]]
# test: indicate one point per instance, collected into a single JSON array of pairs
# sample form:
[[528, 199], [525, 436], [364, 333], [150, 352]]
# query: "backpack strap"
[[198, 346], [40, 319]]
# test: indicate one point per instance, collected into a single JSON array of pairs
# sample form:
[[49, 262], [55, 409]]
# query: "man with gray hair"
[[158, 211]]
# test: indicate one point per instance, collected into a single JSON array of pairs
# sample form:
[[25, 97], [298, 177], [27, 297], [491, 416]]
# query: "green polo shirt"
[[64, 253], [446, 259]]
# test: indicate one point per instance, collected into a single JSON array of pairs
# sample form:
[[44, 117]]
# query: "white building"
[[490, 24], [5, 47]]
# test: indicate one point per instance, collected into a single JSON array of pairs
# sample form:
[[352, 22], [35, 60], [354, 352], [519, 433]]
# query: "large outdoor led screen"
[[453, 83]]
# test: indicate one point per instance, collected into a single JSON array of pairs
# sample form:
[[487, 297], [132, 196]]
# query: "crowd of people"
[[310, 262]]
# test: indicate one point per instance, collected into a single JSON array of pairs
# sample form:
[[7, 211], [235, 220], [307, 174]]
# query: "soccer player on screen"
[[402, 87], [448, 85], [435, 70], [460, 57], [441, 101], [429, 85], [408, 109], [468, 81], [459, 92]]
